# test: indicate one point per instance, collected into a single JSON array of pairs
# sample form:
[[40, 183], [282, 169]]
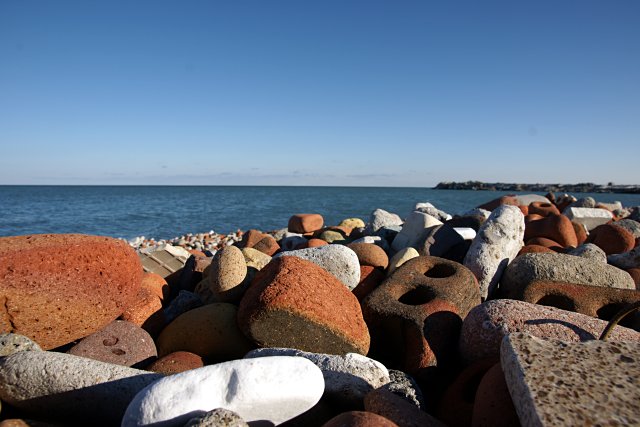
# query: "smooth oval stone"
[[273, 389], [347, 378], [612, 239], [338, 260], [561, 268], [486, 325], [57, 288], [413, 230], [398, 410], [71, 388], [498, 241], [146, 312], [370, 254], [352, 223], [400, 258], [210, 331], [332, 236], [13, 343], [255, 259], [176, 362], [120, 343], [305, 223], [227, 274], [294, 303]]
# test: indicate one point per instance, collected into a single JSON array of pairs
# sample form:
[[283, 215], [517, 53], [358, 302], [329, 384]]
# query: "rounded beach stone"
[[398, 410], [370, 254], [359, 419], [219, 417], [504, 200], [370, 278], [61, 386], [314, 243], [305, 223], [267, 245], [60, 287], [294, 303], [630, 225], [531, 249], [352, 223], [543, 208], [543, 241], [581, 232], [146, 312], [186, 301], [273, 389], [498, 241], [209, 331], [347, 379], [486, 325], [255, 259], [414, 230], [400, 258], [589, 251], [176, 362], [612, 239], [338, 260], [380, 218], [332, 236], [120, 343], [493, 406], [13, 343], [561, 268], [156, 284], [555, 227], [403, 385], [227, 274], [423, 302]]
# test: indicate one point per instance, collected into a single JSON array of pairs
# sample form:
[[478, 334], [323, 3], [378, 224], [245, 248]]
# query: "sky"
[[354, 93]]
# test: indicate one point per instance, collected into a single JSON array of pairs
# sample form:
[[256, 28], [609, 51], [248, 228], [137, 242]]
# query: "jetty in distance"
[[586, 187]]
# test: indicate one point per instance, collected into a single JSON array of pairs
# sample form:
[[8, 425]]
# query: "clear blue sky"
[[393, 93]]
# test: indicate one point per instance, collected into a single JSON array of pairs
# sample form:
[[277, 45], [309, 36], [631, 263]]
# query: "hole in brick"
[[558, 301], [118, 352], [110, 341], [417, 296], [608, 311], [440, 271]]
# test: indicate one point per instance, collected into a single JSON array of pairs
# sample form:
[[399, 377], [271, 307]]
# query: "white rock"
[[291, 240], [527, 199], [402, 256], [381, 218], [467, 233], [413, 230], [589, 217], [479, 212], [347, 378], [273, 389], [338, 260], [498, 241]]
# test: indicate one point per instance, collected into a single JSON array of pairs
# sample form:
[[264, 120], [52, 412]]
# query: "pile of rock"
[[488, 318]]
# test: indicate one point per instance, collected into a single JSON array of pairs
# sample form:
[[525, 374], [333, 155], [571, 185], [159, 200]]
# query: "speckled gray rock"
[[269, 389], [414, 230], [555, 383], [66, 387], [400, 258], [486, 325], [219, 417], [428, 208], [403, 385], [227, 274], [626, 260], [630, 225], [584, 202], [562, 268], [347, 378], [589, 251], [13, 343], [498, 242], [381, 218], [338, 260], [589, 217], [182, 303]]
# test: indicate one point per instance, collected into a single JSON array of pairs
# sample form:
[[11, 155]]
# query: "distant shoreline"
[[587, 187]]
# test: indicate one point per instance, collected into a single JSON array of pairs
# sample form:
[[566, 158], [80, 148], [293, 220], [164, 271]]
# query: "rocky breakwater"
[[486, 318]]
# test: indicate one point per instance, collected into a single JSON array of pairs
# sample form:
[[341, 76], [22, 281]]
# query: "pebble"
[[497, 243], [347, 378], [293, 385], [65, 387], [338, 260]]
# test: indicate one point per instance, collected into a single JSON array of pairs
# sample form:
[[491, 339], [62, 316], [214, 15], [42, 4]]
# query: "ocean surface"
[[164, 212]]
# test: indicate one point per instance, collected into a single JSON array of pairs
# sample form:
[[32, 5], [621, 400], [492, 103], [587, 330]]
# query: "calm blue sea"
[[164, 212]]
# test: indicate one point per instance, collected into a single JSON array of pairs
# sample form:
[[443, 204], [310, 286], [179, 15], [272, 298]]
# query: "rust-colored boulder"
[[383, 402], [528, 249], [156, 284], [305, 223], [555, 227], [581, 232], [174, 363], [146, 311], [314, 243], [370, 278], [543, 208], [504, 200], [370, 254], [612, 239], [543, 241], [635, 275], [295, 303], [57, 288]]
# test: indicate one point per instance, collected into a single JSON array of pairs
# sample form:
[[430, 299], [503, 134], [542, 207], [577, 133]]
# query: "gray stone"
[[562, 268], [338, 260], [558, 383], [217, 418], [630, 225], [400, 258], [486, 325], [279, 234], [380, 219], [626, 260], [590, 218], [347, 378], [414, 230], [589, 251], [585, 202], [403, 385], [268, 389], [498, 242], [428, 208], [182, 303], [634, 214], [291, 240], [66, 387], [13, 343]]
